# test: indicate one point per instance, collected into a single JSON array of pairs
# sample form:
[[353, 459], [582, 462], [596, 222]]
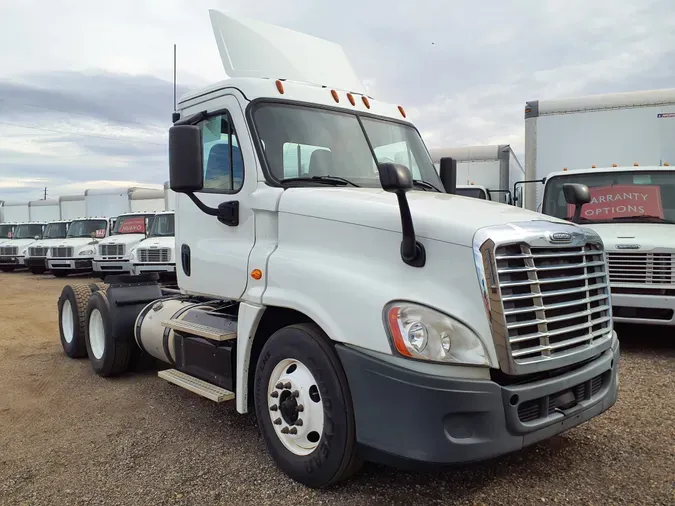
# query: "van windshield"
[[85, 228], [306, 142], [55, 231], [27, 231], [162, 226], [620, 196]]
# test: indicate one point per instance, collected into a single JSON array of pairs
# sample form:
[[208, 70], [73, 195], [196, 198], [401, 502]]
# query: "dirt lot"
[[69, 437]]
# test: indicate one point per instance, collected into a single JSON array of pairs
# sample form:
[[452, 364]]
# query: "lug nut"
[[285, 430], [287, 384], [273, 407], [293, 430], [274, 394], [279, 385], [277, 421], [295, 394], [300, 408], [298, 422]]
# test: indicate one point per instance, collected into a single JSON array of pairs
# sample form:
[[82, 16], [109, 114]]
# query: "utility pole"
[[45, 194]]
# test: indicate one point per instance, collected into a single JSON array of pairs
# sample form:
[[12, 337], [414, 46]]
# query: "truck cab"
[[633, 210], [75, 253], [14, 249], [157, 252], [360, 310], [36, 255], [112, 253]]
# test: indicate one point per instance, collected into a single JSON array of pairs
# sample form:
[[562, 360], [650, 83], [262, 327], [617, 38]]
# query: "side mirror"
[[577, 195], [186, 159], [37, 237], [396, 178], [448, 174]]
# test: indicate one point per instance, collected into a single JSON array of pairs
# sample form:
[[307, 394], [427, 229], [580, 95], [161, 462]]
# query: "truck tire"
[[72, 307], [108, 356], [60, 273], [38, 270], [312, 441]]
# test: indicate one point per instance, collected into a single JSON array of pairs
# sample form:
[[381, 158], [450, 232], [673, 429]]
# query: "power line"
[[80, 134]]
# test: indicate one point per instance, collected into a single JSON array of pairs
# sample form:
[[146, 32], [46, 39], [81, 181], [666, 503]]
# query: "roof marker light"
[[593, 166], [666, 164], [564, 169], [350, 97], [635, 165], [613, 165], [335, 95], [366, 102], [280, 86], [400, 109]]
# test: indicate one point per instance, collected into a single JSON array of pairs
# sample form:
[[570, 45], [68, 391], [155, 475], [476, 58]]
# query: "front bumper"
[[407, 418], [112, 266], [77, 264], [35, 262], [17, 261], [643, 309], [157, 267]]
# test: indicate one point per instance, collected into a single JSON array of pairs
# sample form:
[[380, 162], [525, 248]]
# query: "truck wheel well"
[[272, 320]]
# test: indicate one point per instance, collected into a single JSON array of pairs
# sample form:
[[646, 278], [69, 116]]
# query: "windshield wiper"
[[426, 184], [651, 219], [334, 180]]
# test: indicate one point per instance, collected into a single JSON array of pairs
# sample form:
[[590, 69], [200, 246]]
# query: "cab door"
[[212, 255]]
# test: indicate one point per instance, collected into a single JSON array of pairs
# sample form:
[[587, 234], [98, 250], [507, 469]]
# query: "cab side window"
[[223, 161]]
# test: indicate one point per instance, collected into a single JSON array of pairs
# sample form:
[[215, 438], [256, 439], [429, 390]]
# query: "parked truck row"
[[331, 280], [98, 231]]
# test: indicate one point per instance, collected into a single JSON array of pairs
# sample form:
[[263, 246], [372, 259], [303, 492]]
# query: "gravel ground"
[[68, 437]]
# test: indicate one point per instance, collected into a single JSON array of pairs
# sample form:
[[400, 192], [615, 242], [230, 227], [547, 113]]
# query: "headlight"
[[88, 251], [423, 333], [132, 255]]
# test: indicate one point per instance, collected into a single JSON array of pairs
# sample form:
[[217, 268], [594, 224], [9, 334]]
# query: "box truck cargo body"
[[494, 167], [72, 206], [44, 210], [146, 200], [601, 130], [16, 212], [169, 198]]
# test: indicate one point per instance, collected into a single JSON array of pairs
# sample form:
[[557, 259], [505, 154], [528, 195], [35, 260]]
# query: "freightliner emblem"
[[560, 237], [627, 246]]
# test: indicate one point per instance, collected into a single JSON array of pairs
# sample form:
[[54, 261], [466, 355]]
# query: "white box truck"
[[72, 207], [16, 212], [13, 250], [157, 253], [44, 210], [36, 254], [169, 198], [359, 312], [130, 227], [620, 146], [485, 171]]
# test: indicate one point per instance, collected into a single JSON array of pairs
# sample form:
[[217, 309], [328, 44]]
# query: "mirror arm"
[[412, 251], [211, 211]]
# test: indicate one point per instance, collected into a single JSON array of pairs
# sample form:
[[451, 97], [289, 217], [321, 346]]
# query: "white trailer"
[[15, 212], [146, 200], [620, 129], [2, 211], [72, 206], [169, 198], [44, 210], [361, 312], [494, 167]]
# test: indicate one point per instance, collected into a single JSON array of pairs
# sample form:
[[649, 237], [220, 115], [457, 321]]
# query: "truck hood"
[[122, 239], [46, 243], [636, 237], [438, 216], [158, 242], [20, 243], [75, 242]]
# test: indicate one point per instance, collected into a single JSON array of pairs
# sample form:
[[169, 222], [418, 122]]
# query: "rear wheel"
[[304, 407], [7, 268], [108, 357], [72, 307]]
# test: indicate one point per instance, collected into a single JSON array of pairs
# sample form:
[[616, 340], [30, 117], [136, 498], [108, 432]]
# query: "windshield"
[[626, 196], [132, 224], [84, 228], [162, 226], [304, 141], [477, 193], [27, 231], [55, 231], [6, 231]]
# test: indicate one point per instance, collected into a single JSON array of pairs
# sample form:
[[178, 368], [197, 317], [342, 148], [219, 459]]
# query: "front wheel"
[[60, 273], [304, 408], [7, 268], [38, 270]]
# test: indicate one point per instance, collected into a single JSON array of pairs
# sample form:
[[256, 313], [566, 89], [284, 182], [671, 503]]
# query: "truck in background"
[[16, 212], [317, 300], [72, 207], [75, 253], [44, 210], [13, 250], [494, 168], [36, 254], [157, 253], [137, 206], [623, 145], [169, 198]]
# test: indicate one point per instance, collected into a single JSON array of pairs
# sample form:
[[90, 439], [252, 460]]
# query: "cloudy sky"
[[86, 94]]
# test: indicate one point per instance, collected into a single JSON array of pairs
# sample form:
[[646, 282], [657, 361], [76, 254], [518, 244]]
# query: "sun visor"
[[250, 48]]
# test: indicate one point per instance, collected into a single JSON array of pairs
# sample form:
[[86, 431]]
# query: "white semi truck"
[[36, 254], [157, 253], [623, 145], [488, 172], [133, 209], [358, 309], [13, 250]]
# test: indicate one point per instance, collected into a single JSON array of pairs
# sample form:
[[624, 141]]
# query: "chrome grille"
[[38, 251], [111, 250], [62, 252], [548, 302], [643, 268], [9, 250], [146, 255]]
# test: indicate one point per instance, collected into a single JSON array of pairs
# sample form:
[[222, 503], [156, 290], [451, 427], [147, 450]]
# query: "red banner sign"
[[133, 226], [624, 200], [100, 232]]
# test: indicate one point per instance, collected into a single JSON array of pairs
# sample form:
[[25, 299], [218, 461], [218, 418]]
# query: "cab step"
[[200, 330], [200, 387]]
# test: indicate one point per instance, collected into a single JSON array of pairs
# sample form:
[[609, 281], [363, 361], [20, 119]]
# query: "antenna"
[[175, 116]]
